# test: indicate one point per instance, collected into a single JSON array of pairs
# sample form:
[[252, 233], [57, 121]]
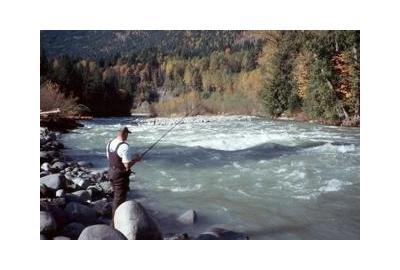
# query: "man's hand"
[[134, 160]]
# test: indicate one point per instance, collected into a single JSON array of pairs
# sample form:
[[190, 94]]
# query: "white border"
[[21, 22]]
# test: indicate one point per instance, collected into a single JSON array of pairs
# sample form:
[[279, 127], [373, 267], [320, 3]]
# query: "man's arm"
[[136, 159], [128, 163]]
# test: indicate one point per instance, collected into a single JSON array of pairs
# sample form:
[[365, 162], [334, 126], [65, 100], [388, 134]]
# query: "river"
[[268, 179]]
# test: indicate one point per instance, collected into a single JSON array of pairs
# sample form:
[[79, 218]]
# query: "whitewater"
[[268, 179]]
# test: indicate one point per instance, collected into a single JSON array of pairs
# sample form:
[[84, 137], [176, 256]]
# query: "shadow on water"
[[207, 157], [279, 231], [202, 157]]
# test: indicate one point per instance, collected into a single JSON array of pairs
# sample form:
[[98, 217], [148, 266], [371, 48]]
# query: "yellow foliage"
[[301, 73], [265, 59], [178, 105]]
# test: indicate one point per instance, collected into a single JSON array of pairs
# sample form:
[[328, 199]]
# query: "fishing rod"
[[168, 131]]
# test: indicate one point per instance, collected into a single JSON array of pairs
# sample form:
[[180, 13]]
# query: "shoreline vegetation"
[[302, 75]]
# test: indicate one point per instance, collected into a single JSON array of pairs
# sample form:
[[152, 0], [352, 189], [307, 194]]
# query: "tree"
[[280, 91], [320, 101]]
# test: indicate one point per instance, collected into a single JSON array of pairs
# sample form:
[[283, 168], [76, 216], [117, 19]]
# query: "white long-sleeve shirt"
[[123, 150]]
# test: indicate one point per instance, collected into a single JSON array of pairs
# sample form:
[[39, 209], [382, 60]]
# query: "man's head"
[[123, 133]]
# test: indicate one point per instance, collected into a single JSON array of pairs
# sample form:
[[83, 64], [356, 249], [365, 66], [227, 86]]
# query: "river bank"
[[75, 203]]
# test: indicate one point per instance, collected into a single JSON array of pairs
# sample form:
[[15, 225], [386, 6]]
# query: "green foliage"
[[280, 93], [320, 102], [223, 68]]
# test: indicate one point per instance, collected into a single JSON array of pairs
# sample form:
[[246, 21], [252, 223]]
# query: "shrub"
[[52, 98]]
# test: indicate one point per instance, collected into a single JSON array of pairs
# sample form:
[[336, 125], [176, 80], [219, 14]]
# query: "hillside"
[[311, 75], [103, 44]]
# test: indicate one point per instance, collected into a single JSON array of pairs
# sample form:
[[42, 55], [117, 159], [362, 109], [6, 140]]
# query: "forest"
[[309, 75]]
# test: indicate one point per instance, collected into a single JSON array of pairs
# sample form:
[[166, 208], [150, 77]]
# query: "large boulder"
[[188, 218], [221, 232], [73, 230], [134, 222], [48, 224], [80, 213], [53, 181], [101, 232]]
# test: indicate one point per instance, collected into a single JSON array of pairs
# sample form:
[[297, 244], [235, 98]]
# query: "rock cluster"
[[75, 203]]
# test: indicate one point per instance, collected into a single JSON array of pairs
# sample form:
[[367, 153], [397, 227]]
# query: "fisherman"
[[120, 164]]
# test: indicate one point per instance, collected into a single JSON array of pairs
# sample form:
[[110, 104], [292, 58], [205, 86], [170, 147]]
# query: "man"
[[120, 165]]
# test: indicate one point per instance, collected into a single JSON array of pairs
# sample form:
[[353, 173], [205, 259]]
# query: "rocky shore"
[[75, 203]]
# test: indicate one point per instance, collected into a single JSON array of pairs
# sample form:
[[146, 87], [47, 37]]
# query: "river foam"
[[238, 170]]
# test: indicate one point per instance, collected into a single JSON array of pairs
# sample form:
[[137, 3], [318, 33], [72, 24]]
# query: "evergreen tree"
[[321, 101]]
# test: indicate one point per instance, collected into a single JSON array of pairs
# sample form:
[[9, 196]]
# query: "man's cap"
[[125, 130]]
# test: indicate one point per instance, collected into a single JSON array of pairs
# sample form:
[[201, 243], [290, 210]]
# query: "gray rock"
[[135, 223], [56, 208], [45, 166], [69, 197], [221, 232], [53, 181], [47, 223], [188, 218], [44, 157], [59, 165], [57, 145], [101, 232], [48, 204], [61, 238], [98, 173], [68, 175], [107, 187], [96, 192], [176, 236], [60, 193], [80, 213], [45, 192], [103, 220], [84, 164], [81, 182], [73, 230], [82, 194], [44, 173], [103, 207], [52, 154]]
